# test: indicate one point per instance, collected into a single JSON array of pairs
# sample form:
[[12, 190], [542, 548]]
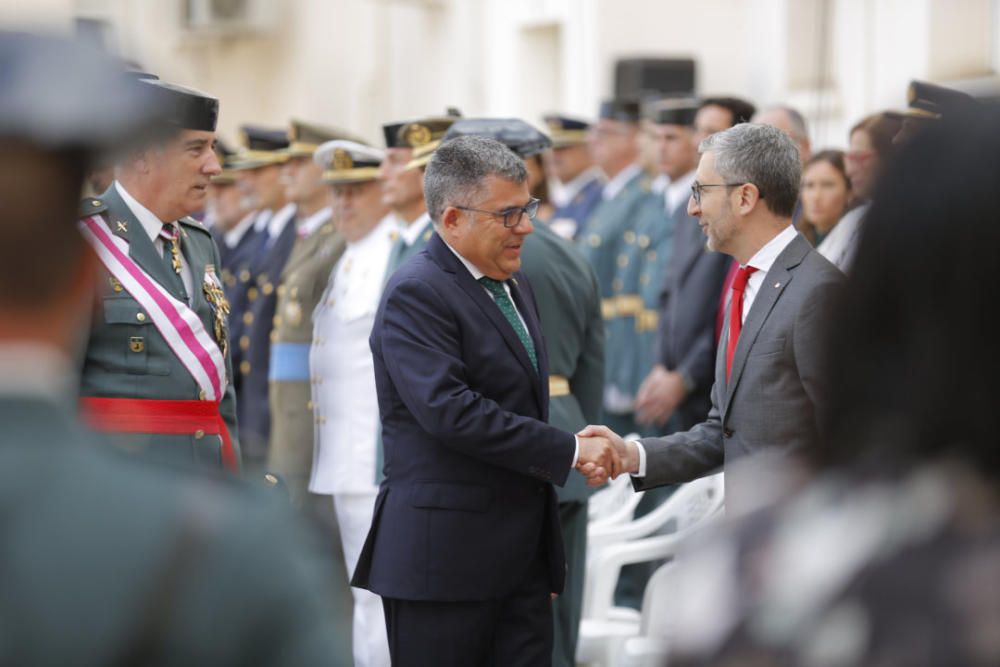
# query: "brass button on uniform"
[[623, 261], [141, 317], [630, 237], [244, 342], [594, 240], [245, 367], [244, 276], [248, 318], [643, 241], [252, 294], [268, 288], [199, 434]]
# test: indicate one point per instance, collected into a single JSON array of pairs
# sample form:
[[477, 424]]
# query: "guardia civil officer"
[[157, 366]]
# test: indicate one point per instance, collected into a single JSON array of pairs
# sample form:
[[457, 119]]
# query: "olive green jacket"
[[569, 307], [127, 357]]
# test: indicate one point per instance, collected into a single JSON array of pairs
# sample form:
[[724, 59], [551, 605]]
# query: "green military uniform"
[[128, 357], [569, 307], [127, 564]]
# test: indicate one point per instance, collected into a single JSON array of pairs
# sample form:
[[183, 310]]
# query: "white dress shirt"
[[153, 226], [840, 243], [568, 191], [614, 186], [678, 192], [233, 237], [279, 220], [343, 371], [762, 261], [314, 222], [411, 232]]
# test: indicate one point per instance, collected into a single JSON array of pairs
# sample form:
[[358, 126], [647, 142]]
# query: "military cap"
[[671, 112], [930, 101], [59, 93], [624, 110], [423, 135], [304, 138], [346, 161], [184, 108], [519, 136], [566, 131], [262, 146], [226, 156]]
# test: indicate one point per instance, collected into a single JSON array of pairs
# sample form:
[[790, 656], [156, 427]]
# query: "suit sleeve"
[[687, 455], [420, 343], [587, 384], [812, 332]]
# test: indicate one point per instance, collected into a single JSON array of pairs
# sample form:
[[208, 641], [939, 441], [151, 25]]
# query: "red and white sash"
[[176, 321]]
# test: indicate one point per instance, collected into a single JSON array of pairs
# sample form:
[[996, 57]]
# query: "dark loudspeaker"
[[640, 78]]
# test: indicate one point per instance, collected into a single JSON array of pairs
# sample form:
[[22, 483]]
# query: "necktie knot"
[[742, 277], [169, 231], [492, 285]]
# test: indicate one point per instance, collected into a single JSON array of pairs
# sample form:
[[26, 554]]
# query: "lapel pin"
[[514, 280], [122, 227], [777, 285]]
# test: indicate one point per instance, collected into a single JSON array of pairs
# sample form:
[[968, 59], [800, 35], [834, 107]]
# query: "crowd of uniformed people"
[[239, 282]]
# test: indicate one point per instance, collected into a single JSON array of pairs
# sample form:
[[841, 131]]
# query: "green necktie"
[[496, 288]]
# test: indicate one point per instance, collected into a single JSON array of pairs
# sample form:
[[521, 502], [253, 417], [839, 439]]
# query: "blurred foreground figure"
[[892, 555], [105, 559]]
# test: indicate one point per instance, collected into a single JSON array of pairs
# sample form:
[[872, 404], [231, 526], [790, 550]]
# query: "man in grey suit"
[[769, 391]]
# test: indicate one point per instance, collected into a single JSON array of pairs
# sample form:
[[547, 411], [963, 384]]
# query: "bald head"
[[792, 123]]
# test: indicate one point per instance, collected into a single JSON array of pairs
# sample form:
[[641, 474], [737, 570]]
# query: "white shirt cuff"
[[642, 459], [576, 451]]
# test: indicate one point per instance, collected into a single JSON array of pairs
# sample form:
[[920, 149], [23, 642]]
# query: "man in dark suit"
[[769, 393], [464, 546]]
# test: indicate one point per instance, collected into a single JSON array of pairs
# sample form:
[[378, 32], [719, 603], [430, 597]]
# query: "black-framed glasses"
[[697, 187], [511, 216]]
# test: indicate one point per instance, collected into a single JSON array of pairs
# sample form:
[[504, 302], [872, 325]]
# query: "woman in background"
[[826, 194], [870, 151]]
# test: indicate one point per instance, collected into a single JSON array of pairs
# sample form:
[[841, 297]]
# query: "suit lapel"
[[447, 260], [125, 225], [775, 282]]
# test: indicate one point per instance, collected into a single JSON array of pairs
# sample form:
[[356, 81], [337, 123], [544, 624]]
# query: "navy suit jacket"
[[467, 506]]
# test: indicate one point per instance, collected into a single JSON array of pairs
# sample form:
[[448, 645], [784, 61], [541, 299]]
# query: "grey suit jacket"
[[776, 395]]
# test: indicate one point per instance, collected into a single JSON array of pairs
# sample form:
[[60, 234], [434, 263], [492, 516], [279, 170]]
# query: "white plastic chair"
[[650, 647], [605, 628], [614, 504]]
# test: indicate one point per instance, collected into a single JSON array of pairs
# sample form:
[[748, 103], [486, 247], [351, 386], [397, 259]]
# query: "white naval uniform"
[[347, 415]]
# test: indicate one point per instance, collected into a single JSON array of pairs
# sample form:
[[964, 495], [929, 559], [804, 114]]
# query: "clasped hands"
[[604, 455]]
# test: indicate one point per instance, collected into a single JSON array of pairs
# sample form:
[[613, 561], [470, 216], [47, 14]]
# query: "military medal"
[[215, 296]]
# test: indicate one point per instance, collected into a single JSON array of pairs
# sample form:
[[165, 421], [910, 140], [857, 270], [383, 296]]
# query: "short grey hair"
[[458, 168], [762, 155]]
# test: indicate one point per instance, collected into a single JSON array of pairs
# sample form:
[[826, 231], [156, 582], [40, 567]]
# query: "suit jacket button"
[[728, 432]]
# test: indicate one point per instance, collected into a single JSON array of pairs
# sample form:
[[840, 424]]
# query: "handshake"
[[604, 455]]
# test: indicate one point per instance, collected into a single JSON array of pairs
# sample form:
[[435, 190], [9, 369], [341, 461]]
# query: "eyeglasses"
[[697, 187], [858, 156], [511, 216]]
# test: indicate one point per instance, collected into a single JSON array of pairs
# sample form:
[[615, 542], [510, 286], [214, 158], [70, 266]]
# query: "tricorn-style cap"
[[58, 93], [304, 138], [672, 111], [262, 146], [566, 131], [930, 101], [519, 136], [624, 110], [346, 161], [226, 156], [185, 108], [741, 110]]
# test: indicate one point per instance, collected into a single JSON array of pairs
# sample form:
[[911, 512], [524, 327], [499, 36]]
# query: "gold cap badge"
[[416, 134], [342, 159]]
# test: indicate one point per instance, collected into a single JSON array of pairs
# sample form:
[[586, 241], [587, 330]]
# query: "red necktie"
[[736, 314], [720, 312]]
